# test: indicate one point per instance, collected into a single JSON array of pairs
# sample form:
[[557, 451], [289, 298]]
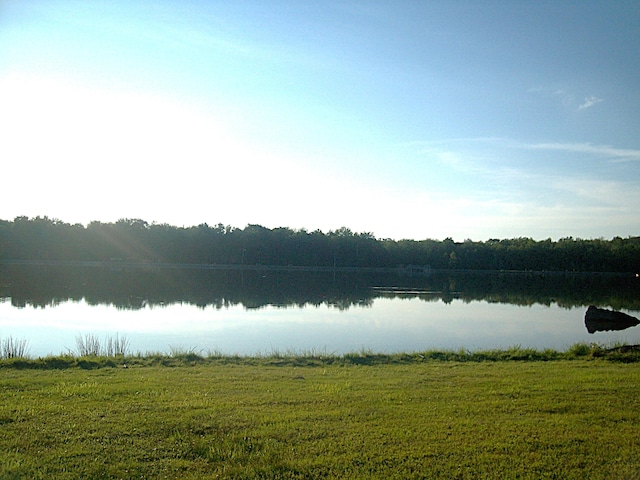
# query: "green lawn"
[[437, 419]]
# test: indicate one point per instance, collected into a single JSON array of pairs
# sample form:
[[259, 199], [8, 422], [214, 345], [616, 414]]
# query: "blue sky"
[[481, 119]]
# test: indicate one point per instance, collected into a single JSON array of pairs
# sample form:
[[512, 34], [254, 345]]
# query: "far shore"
[[400, 269]]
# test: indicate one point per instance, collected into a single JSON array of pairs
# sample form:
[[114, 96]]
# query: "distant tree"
[[42, 238]]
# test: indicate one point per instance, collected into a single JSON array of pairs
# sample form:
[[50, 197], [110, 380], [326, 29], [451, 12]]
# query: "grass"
[[365, 415], [89, 345], [14, 348], [91, 354]]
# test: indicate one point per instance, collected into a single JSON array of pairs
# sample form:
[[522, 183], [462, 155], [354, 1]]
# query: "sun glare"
[[94, 154]]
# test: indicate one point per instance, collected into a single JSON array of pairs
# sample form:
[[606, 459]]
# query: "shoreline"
[[623, 353], [413, 270]]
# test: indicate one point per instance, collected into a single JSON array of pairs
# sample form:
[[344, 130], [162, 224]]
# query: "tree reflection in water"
[[137, 288]]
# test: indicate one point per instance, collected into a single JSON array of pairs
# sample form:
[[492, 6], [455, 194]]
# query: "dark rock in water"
[[600, 319]]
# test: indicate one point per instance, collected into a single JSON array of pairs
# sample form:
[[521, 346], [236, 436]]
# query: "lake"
[[262, 311]]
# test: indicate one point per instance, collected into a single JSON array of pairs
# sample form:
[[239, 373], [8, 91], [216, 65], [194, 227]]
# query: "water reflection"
[[603, 320], [261, 311], [139, 288]]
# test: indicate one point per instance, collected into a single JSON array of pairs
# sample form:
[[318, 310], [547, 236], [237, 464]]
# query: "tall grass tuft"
[[116, 347], [89, 345], [14, 348]]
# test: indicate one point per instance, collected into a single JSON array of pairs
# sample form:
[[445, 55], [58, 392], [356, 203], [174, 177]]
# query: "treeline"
[[44, 239]]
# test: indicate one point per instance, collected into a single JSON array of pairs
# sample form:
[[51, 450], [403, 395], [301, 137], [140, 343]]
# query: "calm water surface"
[[265, 312]]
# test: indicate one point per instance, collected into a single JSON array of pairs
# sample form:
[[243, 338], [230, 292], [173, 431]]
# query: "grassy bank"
[[91, 355], [277, 417]]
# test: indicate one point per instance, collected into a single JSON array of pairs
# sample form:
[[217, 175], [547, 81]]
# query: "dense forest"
[[135, 240]]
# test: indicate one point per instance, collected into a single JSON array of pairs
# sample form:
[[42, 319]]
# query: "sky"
[[405, 119]]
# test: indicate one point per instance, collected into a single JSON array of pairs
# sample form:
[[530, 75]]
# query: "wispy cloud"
[[567, 97], [589, 102], [456, 145], [615, 154]]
